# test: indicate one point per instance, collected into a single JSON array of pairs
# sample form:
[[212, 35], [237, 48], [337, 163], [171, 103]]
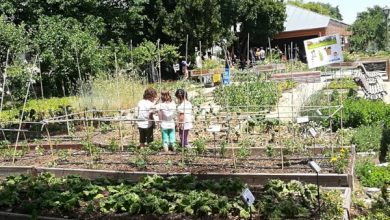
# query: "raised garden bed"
[[155, 197]]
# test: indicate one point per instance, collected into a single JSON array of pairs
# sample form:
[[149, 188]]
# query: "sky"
[[350, 8]]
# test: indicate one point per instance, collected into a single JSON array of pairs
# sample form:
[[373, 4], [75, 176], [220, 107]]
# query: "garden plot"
[[176, 197]]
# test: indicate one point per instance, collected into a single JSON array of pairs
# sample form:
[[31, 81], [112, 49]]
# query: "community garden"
[[271, 139]]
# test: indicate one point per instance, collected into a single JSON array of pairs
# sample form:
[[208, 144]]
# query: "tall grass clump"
[[121, 92]]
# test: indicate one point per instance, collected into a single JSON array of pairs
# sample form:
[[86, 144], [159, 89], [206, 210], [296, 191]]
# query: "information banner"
[[322, 51]]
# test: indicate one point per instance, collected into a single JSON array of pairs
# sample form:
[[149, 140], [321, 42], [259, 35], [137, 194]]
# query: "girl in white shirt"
[[145, 116], [185, 116], [166, 114]]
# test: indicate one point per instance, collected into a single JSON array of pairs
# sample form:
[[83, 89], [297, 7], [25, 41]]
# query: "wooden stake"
[[49, 139]]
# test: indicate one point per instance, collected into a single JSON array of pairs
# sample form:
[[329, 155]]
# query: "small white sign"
[[176, 67], [214, 128], [315, 166], [313, 132], [302, 119], [248, 196]]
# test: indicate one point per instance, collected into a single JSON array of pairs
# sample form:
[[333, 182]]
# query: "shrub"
[[368, 137], [371, 175], [362, 112]]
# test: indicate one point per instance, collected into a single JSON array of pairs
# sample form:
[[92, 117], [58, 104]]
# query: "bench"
[[308, 76], [370, 83]]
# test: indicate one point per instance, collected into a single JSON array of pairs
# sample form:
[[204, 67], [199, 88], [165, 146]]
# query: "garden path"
[[386, 86], [291, 101]]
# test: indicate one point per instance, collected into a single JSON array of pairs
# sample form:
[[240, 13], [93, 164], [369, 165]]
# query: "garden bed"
[[156, 197]]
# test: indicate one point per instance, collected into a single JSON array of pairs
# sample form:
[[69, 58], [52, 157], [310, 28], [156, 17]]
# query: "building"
[[302, 24]]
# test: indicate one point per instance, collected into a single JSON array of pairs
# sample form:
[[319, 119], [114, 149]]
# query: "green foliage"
[[340, 160], [40, 151], [113, 146], [371, 175], [343, 83], [222, 147], [147, 53], [251, 96], [63, 44], [292, 200], [111, 93], [244, 150], [73, 196], [369, 30], [362, 112], [368, 138], [262, 19], [156, 145], [332, 206], [319, 7], [12, 37], [200, 145], [39, 109]]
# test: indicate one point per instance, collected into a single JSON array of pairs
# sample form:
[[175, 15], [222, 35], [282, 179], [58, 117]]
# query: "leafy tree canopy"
[[369, 30], [319, 7]]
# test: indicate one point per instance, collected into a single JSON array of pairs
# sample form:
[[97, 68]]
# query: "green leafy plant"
[[222, 147], [63, 155], [244, 148], [371, 175], [368, 137], [113, 146], [270, 150], [39, 150], [200, 145], [340, 161]]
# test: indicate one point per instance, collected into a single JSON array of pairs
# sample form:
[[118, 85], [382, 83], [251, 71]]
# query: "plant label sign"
[[303, 119], [248, 196], [313, 132], [214, 128], [322, 51]]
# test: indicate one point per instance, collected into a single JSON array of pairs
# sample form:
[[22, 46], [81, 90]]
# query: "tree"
[[68, 52], [13, 38], [200, 19], [114, 20], [369, 30], [263, 19], [319, 7]]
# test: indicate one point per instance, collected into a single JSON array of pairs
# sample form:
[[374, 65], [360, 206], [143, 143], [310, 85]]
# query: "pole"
[[248, 60], [318, 197], [187, 48], [270, 49]]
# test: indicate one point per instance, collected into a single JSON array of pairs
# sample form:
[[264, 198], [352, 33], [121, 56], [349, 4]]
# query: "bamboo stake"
[[21, 119], [3, 89], [49, 139]]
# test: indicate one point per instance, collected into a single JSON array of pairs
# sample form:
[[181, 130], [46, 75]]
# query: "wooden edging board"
[[325, 180]]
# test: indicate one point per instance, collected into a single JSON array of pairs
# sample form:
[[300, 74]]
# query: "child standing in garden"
[[145, 121], [166, 115], [185, 116]]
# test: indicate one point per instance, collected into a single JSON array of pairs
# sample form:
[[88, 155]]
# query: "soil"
[[172, 162]]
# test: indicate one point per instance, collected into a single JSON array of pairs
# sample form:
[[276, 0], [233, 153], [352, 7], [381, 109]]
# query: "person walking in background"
[[166, 115], [262, 54], [184, 69], [184, 116], [257, 54], [145, 122]]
